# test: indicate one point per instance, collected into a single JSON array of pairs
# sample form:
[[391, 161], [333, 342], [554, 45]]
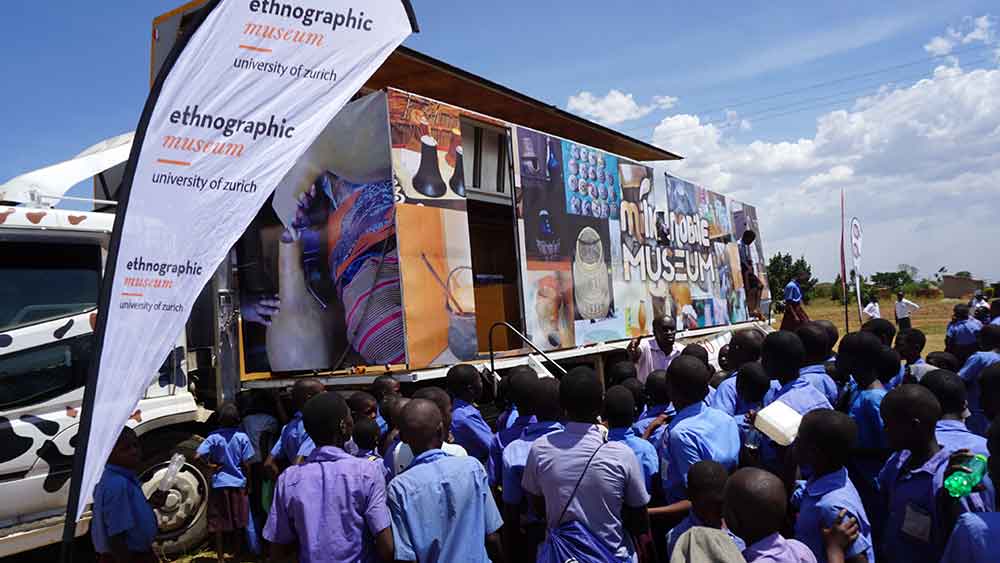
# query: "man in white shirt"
[[904, 308], [872, 308], [655, 353]]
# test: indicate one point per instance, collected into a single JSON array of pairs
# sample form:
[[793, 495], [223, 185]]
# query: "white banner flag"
[[248, 93], [856, 237]]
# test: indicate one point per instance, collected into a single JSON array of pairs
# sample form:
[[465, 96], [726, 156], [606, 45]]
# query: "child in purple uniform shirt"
[[332, 507]]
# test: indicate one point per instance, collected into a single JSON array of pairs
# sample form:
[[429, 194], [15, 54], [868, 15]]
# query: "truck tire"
[[184, 519]]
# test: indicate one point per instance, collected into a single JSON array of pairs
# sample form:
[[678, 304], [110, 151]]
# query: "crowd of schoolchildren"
[[656, 459]]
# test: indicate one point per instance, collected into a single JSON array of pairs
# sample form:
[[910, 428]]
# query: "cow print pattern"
[[47, 427], [60, 466], [12, 446], [6, 340], [61, 331]]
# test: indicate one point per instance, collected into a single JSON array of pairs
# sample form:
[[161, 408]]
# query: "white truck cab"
[[50, 275]]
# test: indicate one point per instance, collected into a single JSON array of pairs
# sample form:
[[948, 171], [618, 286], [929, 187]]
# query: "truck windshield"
[[41, 281]]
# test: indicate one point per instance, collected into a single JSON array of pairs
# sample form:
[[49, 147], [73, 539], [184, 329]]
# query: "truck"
[[439, 218]]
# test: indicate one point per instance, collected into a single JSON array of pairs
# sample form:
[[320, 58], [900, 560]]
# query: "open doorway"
[[492, 233]]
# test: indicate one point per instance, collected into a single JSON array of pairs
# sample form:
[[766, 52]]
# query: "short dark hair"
[[914, 337], [323, 415], [229, 415], [366, 434], [747, 344], [580, 393], [697, 351], [948, 388], [753, 381], [961, 311], [657, 392], [619, 407], [944, 360], [706, 477], [989, 336], [887, 364], [619, 371], [758, 501], [439, 397], [636, 388], [383, 385], [832, 333], [859, 354], [519, 383], [912, 401], [832, 432], [815, 341], [782, 354], [545, 399], [359, 401], [688, 379], [461, 376], [882, 328]]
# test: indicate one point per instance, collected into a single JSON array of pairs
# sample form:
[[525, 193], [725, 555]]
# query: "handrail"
[[524, 339]]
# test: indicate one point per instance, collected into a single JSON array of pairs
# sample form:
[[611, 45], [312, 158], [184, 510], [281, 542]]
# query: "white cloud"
[[615, 106], [920, 165], [939, 46], [972, 30]]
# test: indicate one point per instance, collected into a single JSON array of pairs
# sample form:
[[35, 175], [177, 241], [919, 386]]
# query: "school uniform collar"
[[688, 412], [460, 403], [429, 456], [765, 544], [540, 428], [656, 410], [367, 453], [581, 428], [951, 425], [524, 420], [328, 453], [918, 362], [819, 486], [813, 368], [620, 433], [124, 472], [796, 383], [930, 466]]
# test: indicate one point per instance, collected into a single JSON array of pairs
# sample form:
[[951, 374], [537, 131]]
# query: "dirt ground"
[[932, 318]]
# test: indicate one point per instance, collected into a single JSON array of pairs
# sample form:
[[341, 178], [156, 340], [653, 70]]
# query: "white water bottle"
[[176, 461]]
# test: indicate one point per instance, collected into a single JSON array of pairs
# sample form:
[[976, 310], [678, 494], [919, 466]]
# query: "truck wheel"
[[183, 520]]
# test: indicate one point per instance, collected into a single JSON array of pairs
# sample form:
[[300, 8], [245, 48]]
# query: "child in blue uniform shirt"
[[744, 348], [814, 340], [752, 383], [824, 444], [706, 481], [468, 427], [366, 437], [976, 536], [124, 526], [228, 451], [989, 339], [521, 379], [619, 409], [659, 405], [951, 431], [915, 530]]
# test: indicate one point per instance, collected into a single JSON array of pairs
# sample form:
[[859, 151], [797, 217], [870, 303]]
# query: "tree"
[[781, 269], [892, 280], [912, 271], [963, 274]]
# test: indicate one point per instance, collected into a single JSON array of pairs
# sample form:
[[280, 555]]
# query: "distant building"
[[955, 287]]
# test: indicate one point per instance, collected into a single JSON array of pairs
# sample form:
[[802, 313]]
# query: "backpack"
[[573, 541]]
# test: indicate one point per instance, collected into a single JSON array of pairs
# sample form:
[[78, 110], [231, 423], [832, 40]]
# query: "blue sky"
[[81, 75]]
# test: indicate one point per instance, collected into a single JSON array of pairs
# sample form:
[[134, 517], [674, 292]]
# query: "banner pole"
[[107, 283]]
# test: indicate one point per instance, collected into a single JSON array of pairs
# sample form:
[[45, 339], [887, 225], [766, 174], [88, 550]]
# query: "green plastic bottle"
[[961, 483]]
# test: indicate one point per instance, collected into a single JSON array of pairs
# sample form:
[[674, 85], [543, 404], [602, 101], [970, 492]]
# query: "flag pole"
[[843, 267]]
